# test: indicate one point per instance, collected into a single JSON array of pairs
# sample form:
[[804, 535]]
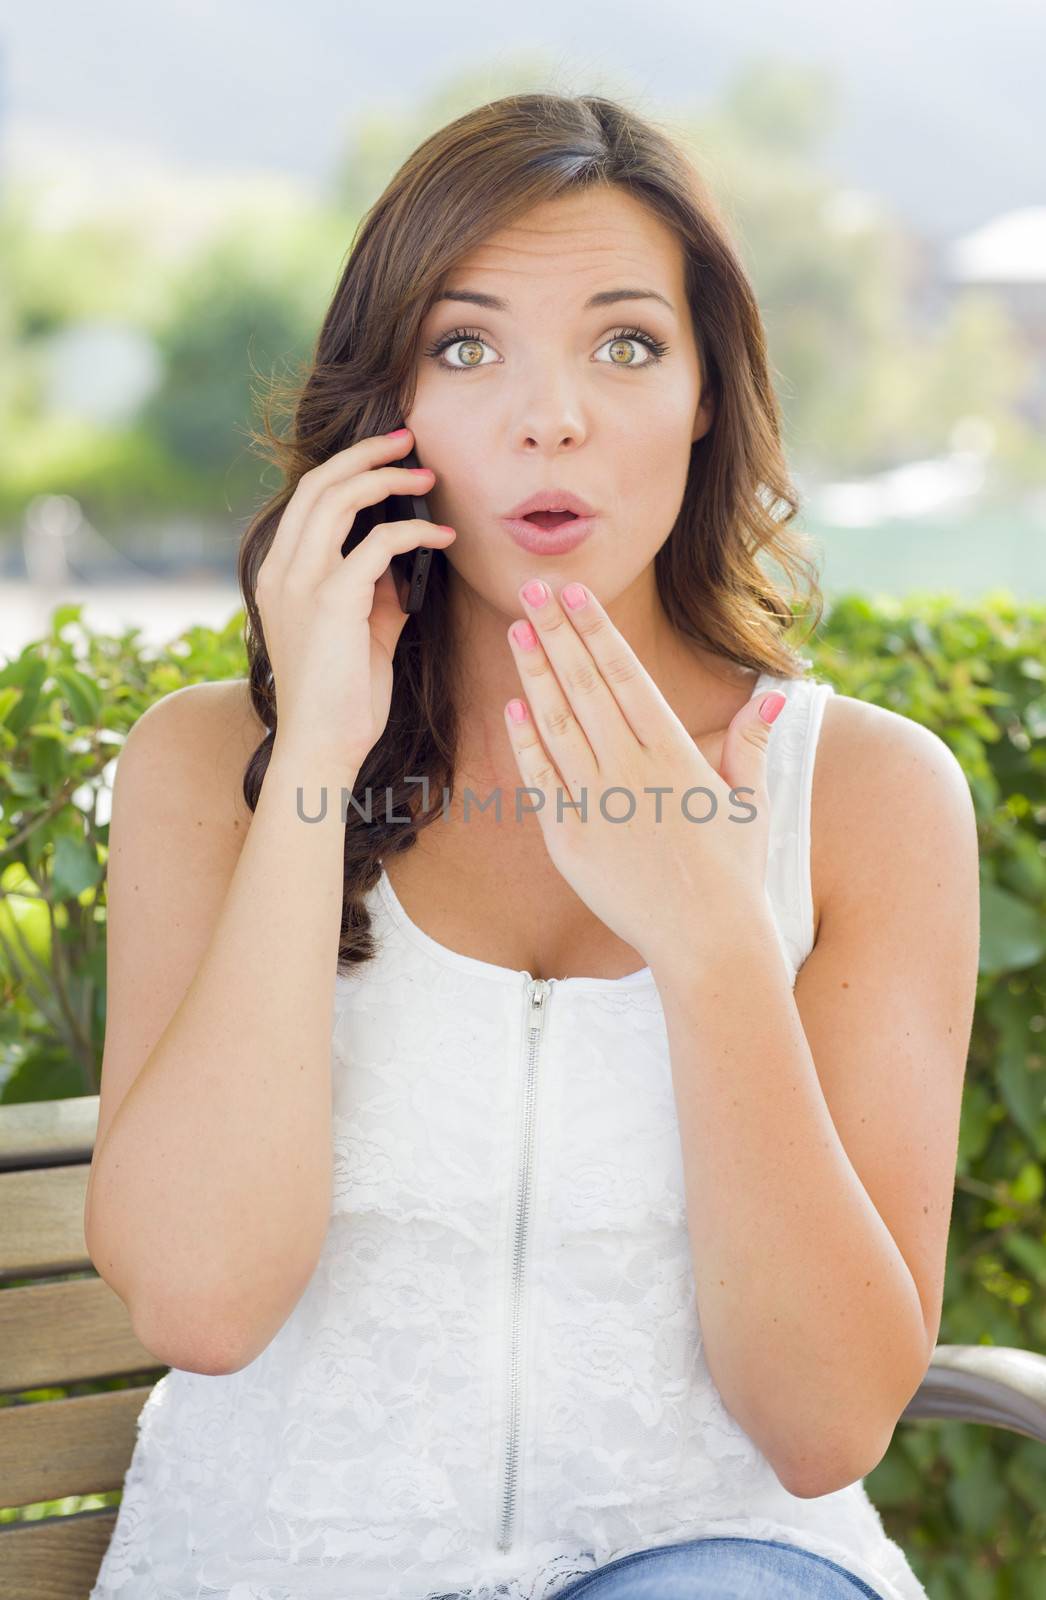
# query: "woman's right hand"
[[331, 621]]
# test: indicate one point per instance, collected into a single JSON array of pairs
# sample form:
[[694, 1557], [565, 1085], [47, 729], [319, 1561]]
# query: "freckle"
[[925, 1210], [722, 1283], [844, 985], [868, 1285]]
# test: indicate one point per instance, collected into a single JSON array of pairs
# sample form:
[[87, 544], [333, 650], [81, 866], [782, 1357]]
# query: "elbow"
[[855, 1450], [816, 1474], [207, 1347]]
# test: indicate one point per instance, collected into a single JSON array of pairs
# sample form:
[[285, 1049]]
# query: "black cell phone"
[[411, 565]]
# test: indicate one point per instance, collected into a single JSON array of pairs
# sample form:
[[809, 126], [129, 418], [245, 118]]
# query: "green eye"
[[636, 335], [459, 336], [471, 336]]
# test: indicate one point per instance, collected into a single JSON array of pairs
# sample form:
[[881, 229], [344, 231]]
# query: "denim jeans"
[[719, 1569]]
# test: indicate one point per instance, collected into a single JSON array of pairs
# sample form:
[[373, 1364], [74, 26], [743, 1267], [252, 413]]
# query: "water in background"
[[968, 556]]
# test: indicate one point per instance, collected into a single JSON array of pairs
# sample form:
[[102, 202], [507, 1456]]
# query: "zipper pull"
[[540, 989]]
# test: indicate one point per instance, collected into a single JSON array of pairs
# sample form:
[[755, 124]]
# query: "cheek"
[[650, 465], [427, 405]]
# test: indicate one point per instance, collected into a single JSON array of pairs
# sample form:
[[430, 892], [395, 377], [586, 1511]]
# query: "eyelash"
[[656, 347]]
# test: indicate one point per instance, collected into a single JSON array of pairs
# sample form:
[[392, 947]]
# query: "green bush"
[[965, 1502]]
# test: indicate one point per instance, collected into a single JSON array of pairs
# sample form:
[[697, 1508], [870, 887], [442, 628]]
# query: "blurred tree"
[[252, 302], [864, 383], [379, 140], [867, 376]]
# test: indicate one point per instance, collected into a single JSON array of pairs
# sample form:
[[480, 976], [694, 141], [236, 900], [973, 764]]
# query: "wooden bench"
[[61, 1324]]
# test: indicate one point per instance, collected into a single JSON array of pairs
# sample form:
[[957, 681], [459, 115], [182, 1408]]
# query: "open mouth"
[[549, 519]]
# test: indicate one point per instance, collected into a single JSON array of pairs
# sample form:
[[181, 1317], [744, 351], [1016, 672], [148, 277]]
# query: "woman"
[[600, 1246]]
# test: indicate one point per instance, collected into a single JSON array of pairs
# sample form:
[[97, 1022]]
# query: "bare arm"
[[820, 1125], [210, 1187]]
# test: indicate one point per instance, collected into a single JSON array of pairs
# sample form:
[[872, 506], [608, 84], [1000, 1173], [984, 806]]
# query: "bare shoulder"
[[207, 733], [885, 788], [176, 830]]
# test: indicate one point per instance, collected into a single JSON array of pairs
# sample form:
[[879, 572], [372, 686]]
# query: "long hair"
[[468, 180]]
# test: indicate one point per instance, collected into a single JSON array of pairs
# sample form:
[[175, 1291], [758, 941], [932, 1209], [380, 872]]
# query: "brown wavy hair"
[[468, 180]]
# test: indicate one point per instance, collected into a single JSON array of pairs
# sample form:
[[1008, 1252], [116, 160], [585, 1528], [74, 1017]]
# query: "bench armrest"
[[996, 1384]]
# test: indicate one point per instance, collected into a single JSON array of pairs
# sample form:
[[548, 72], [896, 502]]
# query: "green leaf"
[[1030, 1254], [23, 783], [27, 673], [975, 1126], [976, 1493], [1013, 933], [1027, 1186], [84, 699], [76, 867], [62, 616], [1022, 1091]]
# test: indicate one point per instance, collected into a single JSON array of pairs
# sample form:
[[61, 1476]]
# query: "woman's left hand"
[[649, 865]]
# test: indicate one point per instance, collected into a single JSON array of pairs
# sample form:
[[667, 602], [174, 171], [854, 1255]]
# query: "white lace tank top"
[[494, 1380]]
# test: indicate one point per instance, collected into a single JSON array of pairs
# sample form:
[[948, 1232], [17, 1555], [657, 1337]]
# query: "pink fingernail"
[[772, 706], [517, 711]]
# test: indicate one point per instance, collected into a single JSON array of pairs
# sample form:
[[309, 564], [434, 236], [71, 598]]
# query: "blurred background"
[[179, 188], [178, 192]]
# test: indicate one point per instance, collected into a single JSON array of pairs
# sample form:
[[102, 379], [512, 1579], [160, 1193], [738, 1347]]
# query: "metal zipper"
[[539, 991]]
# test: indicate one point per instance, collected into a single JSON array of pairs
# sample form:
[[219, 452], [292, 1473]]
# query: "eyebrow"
[[606, 297]]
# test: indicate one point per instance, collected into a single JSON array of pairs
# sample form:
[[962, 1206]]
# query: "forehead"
[[595, 239]]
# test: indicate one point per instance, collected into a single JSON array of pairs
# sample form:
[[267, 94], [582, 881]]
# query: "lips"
[[566, 535], [550, 519], [555, 498]]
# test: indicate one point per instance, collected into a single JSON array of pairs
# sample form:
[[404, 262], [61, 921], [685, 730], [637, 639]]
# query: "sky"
[[941, 110]]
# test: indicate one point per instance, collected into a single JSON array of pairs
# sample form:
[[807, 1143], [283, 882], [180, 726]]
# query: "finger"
[[344, 466], [387, 616], [637, 698], [536, 767], [605, 682], [365, 564], [333, 515], [552, 712], [747, 741]]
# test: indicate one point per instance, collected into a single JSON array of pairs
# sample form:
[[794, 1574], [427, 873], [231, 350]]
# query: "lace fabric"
[[494, 1381]]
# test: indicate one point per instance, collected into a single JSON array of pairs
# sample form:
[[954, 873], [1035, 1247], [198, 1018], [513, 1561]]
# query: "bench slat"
[[56, 1558], [43, 1212], [62, 1447], [64, 1333]]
